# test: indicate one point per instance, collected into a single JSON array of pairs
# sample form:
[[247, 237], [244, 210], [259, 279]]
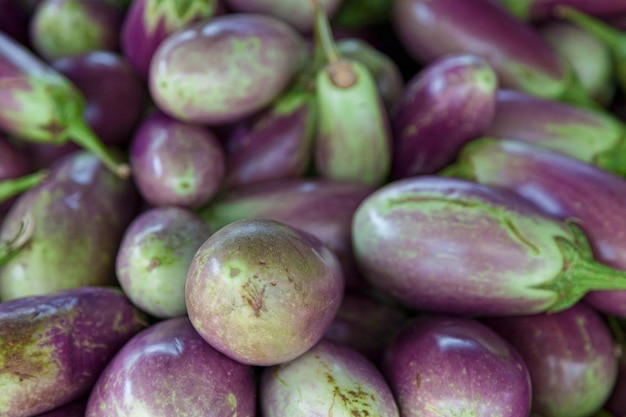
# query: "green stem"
[[14, 186], [575, 94], [613, 38], [324, 35], [81, 134]]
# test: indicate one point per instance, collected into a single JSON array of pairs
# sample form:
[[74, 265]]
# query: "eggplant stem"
[[11, 187], [324, 35]]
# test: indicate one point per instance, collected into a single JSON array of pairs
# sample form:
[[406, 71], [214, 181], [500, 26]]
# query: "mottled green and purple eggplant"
[[169, 370], [570, 355], [77, 218], [299, 14], [337, 380], [54, 347], [456, 366], [563, 187], [38, 104], [148, 22], [115, 96], [254, 58], [154, 256], [176, 163], [445, 105], [456, 246], [321, 207], [522, 59], [95, 26], [278, 143], [546, 9], [593, 136], [262, 292]]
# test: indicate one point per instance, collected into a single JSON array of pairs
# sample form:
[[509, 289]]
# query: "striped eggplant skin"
[[55, 346]]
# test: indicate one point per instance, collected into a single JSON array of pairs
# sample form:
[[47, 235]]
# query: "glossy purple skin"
[[168, 370], [616, 403], [262, 292], [565, 188], [276, 144], [570, 355], [141, 36], [323, 208], [337, 380], [59, 344], [450, 102], [115, 95], [74, 409], [544, 9], [521, 58], [79, 216], [96, 25], [438, 365], [176, 163], [366, 324]]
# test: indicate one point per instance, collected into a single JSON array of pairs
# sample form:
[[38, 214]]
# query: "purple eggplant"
[[456, 246], [299, 14], [54, 347], [77, 218], [168, 370], [321, 207], [522, 59], [616, 404], [38, 104], [176, 163], [276, 144], [154, 256], [570, 355], [337, 380], [263, 292], [116, 98], [588, 56], [254, 58], [456, 366], [95, 26], [366, 324], [545, 9], [592, 136], [450, 102], [148, 22], [563, 187]]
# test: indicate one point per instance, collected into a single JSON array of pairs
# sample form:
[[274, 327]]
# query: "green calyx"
[[177, 13]]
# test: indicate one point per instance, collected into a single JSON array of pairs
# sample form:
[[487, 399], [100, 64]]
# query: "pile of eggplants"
[[278, 208]]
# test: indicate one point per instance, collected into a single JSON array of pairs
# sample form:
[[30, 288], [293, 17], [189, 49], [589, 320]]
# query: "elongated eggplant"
[[77, 218], [450, 102], [592, 136], [453, 245], [522, 59], [40, 105], [570, 355], [563, 187], [456, 366], [148, 22], [254, 58], [55, 346]]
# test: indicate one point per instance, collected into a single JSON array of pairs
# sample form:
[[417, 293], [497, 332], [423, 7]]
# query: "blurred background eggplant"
[[522, 59], [148, 22], [545, 9]]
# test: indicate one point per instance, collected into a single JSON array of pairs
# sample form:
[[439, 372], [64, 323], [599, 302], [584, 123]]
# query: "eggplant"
[[593, 136], [168, 370], [148, 22], [176, 163], [563, 187], [455, 366], [116, 98], [445, 105], [522, 59], [153, 258], [95, 27], [55, 346], [455, 246], [254, 58], [337, 381], [38, 104], [262, 292], [616, 403], [570, 355]]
